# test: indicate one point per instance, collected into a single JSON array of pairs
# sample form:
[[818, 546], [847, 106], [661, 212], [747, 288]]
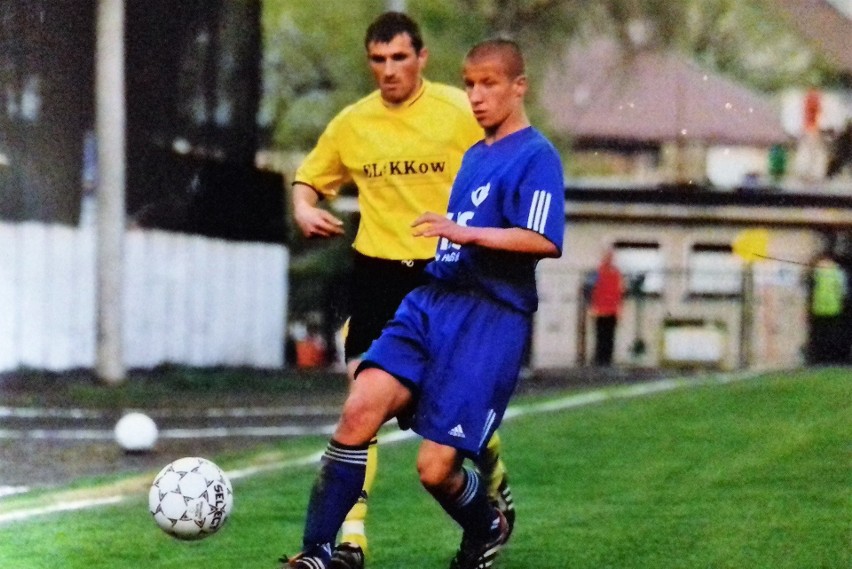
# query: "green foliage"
[[749, 42], [313, 64], [745, 474], [314, 59]]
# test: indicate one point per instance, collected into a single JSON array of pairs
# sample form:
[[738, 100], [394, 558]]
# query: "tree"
[[751, 43], [310, 52], [314, 56]]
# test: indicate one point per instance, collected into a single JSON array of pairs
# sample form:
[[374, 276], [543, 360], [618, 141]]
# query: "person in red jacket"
[[605, 306]]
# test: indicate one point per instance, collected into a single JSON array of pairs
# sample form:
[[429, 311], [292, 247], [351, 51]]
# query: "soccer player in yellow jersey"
[[402, 146]]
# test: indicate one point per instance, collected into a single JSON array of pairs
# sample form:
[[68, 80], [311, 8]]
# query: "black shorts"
[[378, 286]]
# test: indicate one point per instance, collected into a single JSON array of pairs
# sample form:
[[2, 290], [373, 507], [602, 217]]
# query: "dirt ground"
[[56, 429]]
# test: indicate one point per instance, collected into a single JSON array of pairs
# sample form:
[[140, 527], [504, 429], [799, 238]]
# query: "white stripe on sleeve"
[[538, 211]]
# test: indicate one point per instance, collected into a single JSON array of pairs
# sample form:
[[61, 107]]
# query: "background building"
[[193, 87]]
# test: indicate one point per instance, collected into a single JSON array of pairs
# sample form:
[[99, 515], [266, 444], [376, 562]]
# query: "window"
[[635, 259], [714, 271]]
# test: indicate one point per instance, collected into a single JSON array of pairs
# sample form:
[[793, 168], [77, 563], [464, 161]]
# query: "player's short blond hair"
[[506, 50]]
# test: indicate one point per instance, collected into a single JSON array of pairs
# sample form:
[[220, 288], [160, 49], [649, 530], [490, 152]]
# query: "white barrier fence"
[[188, 299]]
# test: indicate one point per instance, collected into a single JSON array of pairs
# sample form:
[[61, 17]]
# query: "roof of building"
[[688, 204], [599, 92]]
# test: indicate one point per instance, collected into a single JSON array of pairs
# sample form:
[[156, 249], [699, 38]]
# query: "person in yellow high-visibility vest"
[[828, 297]]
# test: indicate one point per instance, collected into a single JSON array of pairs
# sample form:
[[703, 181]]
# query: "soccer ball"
[[135, 432], [191, 498]]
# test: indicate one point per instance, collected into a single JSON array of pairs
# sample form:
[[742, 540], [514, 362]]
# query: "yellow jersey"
[[402, 158]]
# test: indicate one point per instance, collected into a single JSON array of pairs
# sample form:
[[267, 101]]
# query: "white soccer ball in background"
[[136, 432], [191, 498]]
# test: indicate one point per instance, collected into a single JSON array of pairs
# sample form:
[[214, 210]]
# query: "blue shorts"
[[460, 354]]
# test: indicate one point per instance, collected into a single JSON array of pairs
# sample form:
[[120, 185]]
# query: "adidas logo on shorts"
[[457, 432]]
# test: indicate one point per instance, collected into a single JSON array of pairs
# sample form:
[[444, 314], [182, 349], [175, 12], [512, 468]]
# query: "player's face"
[[396, 67], [495, 98]]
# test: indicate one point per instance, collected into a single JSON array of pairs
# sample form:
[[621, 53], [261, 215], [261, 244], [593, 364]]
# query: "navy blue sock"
[[471, 509], [336, 489]]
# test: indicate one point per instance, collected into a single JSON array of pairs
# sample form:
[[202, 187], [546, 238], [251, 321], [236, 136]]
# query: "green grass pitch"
[[747, 474]]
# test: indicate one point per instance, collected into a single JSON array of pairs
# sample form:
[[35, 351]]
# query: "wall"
[[778, 330], [187, 299]]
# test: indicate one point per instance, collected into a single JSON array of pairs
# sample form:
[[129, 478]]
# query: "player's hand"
[[317, 222], [435, 225]]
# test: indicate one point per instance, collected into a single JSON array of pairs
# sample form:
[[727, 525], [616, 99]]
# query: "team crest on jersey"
[[479, 194]]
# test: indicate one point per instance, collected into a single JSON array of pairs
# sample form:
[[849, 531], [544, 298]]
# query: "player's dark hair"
[[507, 50], [391, 24]]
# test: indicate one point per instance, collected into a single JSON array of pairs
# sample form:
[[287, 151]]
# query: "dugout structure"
[[192, 95]]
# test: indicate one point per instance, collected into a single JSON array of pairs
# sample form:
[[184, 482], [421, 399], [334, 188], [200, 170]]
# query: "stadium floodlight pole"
[[396, 5], [110, 128]]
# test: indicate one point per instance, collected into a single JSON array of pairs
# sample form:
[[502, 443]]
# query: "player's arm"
[[313, 221], [514, 239]]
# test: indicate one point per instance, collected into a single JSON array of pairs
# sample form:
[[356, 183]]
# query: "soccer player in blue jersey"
[[402, 145], [454, 350]]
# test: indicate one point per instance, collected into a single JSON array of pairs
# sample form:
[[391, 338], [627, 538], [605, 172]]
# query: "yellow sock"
[[491, 466], [352, 530]]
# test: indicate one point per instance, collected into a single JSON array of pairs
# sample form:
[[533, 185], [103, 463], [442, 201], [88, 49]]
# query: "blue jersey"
[[515, 182]]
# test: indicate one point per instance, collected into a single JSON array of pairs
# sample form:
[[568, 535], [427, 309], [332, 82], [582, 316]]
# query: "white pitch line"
[[204, 433], [12, 490], [597, 396], [292, 463], [213, 412], [49, 413], [561, 404], [58, 508]]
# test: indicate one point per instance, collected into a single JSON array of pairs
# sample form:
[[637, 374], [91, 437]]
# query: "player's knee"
[[368, 406], [359, 422], [436, 476], [434, 480]]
